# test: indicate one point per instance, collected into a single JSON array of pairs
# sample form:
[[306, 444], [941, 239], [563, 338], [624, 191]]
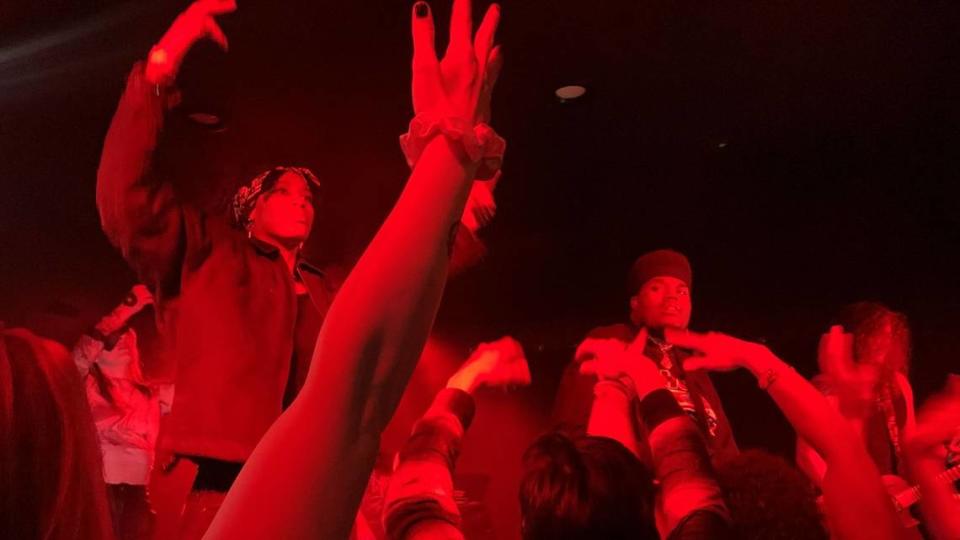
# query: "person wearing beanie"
[[659, 286]]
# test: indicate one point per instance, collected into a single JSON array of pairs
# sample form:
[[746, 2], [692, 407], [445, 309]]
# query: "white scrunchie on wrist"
[[480, 143]]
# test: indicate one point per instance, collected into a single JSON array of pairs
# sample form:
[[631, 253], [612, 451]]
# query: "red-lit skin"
[[306, 477], [624, 372], [856, 381], [614, 360], [662, 302], [850, 474], [499, 364], [283, 216], [195, 23]]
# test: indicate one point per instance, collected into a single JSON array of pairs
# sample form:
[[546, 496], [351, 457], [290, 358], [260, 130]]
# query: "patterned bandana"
[[246, 197]]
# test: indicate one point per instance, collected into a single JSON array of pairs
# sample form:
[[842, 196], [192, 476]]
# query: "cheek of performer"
[[283, 214]]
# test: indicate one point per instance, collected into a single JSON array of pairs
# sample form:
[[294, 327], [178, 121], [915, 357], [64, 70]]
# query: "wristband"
[[479, 143]]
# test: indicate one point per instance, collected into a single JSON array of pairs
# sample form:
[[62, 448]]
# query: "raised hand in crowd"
[[853, 384], [135, 301], [420, 502], [195, 23], [612, 359], [498, 364], [688, 497], [316, 458], [850, 474]]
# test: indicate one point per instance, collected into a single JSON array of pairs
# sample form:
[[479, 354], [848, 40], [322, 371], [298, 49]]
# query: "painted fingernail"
[[421, 9]]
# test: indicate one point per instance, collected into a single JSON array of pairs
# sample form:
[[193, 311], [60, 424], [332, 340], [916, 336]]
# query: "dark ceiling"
[[802, 153]]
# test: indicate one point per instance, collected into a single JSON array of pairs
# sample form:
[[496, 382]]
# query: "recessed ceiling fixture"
[[207, 120], [566, 93]]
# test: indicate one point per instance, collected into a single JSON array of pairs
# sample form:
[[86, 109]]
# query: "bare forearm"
[[850, 474], [810, 462], [321, 450], [385, 309], [680, 460], [611, 415], [807, 410]]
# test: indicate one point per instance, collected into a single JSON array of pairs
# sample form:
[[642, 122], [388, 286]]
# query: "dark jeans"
[[133, 519]]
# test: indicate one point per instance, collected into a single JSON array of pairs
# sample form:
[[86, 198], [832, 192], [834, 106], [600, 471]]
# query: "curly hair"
[[875, 326], [585, 488], [769, 498]]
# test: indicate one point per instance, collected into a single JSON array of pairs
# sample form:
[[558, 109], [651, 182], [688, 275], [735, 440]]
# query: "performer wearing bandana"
[[238, 306]]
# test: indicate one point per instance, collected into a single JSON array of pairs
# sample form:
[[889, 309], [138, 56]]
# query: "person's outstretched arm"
[[138, 211], [616, 365], [810, 462], [107, 332], [851, 475], [306, 477], [689, 502], [419, 504]]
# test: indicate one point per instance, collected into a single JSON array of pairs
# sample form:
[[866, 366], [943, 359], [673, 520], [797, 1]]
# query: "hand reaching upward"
[[195, 23], [460, 84]]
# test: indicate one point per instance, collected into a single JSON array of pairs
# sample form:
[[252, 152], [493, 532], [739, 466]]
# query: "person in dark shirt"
[[238, 306], [573, 488], [595, 485], [306, 476], [660, 287]]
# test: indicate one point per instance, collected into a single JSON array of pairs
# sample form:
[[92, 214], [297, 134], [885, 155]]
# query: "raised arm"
[[419, 503], [138, 211], [615, 366], [315, 460], [689, 500], [106, 333], [850, 474], [810, 462]]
